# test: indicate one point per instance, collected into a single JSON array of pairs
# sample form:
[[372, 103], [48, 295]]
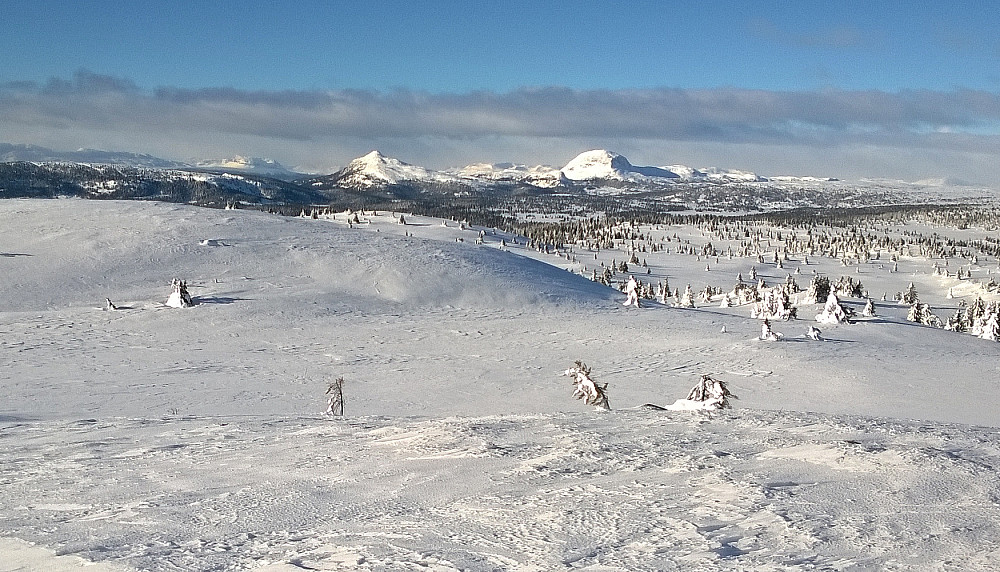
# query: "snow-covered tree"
[[586, 388], [631, 292], [767, 334], [109, 305], [818, 291], [814, 333], [921, 314], [179, 298], [687, 300], [910, 296], [869, 309], [991, 329], [833, 312], [957, 322], [709, 393]]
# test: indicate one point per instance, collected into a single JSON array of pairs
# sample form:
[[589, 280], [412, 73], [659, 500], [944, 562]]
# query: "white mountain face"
[[543, 176], [36, 154], [375, 169], [240, 163], [603, 164]]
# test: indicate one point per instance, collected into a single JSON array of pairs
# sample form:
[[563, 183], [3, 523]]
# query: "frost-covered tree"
[[921, 313], [814, 333], [957, 322], [586, 388], [687, 300], [774, 305], [991, 329], [833, 312], [910, 296], [632, 292], [709, 393], [179, 297], [849, 287], [975, 316], [869, 309], [819, 290], [767, 334]]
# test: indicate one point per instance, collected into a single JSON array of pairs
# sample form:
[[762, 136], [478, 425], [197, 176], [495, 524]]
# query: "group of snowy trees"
[[709, 393]]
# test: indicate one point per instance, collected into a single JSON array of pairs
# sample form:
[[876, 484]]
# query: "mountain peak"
[[375, 169], [604, 164]]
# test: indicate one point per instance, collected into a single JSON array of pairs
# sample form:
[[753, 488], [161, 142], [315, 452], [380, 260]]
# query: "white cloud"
[[841, 133]]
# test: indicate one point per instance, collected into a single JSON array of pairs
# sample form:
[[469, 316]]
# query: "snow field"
[[154, 438]]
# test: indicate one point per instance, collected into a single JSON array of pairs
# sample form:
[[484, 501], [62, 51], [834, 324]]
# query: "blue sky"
[[846, 89]]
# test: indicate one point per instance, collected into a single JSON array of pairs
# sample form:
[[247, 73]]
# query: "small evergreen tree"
[[910, 296]]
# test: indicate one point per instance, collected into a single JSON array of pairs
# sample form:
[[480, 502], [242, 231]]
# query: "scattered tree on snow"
[[869, 309], [335, 404], [767, 334], [921, 314], [991, 329], [909, 297], [586, 388], [632, 292], [709, 393], [819, 289], [179, 298], [814, 333], [687, 301], [833, 312]]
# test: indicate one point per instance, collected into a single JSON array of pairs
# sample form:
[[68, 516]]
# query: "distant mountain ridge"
[[374, 170], [35, 154]]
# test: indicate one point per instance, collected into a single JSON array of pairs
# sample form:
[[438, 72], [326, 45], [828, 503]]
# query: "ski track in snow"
[[150, 438], [626, 490]]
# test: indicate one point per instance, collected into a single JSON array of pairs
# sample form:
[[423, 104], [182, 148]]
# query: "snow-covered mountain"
[[543, 176], [33, 153], [241, 164], [603, 164], [376, 170]]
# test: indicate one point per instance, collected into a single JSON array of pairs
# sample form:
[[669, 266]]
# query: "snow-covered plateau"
[[138, 436]]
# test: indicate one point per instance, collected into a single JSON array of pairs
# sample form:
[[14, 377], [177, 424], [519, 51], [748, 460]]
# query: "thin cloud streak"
[[956, 121]]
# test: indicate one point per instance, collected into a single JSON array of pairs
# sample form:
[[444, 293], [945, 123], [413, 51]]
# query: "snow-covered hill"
[[155, 438], [375, 170]]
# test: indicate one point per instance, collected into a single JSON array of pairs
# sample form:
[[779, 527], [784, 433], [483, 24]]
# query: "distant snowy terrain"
[[155, 438]]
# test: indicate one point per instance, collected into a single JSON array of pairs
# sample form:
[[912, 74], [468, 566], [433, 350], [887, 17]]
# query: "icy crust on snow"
[[626, 490]]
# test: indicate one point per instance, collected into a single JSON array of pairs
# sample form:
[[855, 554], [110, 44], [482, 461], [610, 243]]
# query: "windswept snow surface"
[[154, 438]]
